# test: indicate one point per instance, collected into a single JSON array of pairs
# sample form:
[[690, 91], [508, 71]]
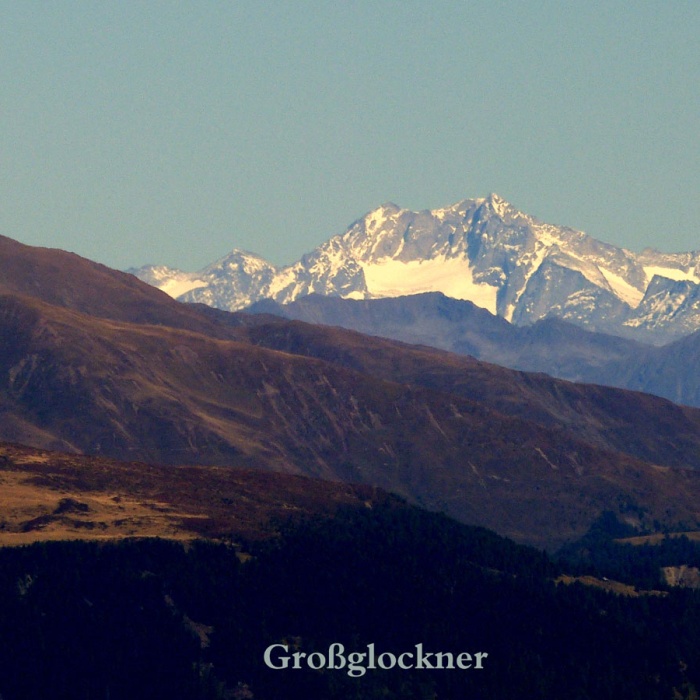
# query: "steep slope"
[[671, 370], [532, 458], [645, 426], [67, 280], [556, 347], [552, 346], [165, 395], [482, 250], [670, 308]]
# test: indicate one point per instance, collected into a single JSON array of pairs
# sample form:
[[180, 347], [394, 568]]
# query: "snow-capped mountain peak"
[[240, 261], [169, 279], [500, 207], [483, 250]]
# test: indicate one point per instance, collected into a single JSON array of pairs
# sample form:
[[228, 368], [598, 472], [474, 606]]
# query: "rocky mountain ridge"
[[482, 250]]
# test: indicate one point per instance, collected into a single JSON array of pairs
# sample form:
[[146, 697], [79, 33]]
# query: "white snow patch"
[[589, 270], [453, 277], [662, 309], [547, 235], [623, 289], [283, 280], [500, 206], [375, 220], [332, 259], [254, 264], [177, 286], [671, 273]]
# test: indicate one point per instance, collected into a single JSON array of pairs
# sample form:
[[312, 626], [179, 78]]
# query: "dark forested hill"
[[151, 618]]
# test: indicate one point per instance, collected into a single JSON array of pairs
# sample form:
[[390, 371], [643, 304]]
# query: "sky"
[[172, 132]]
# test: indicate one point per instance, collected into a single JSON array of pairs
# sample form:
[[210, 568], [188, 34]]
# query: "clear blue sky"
[[171, 132]]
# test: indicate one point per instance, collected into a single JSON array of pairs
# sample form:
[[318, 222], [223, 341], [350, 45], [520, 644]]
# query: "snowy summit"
[[481, 250]]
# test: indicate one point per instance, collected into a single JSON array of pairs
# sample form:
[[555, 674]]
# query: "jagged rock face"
[[480, 250], [668, 306], [556, 289]]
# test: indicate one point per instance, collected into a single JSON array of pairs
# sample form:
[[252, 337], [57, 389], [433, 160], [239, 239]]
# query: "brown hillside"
[[50, 496], [644, 426], [94, 362], [66, 280], [164, 395]]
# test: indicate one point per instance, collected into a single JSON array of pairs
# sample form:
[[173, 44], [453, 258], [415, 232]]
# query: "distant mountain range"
[[550, 345], [94, 361], [480, 250]]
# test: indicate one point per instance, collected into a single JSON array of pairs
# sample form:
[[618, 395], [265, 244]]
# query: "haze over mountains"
[[481, 250], [96, 362], [550, 345]]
